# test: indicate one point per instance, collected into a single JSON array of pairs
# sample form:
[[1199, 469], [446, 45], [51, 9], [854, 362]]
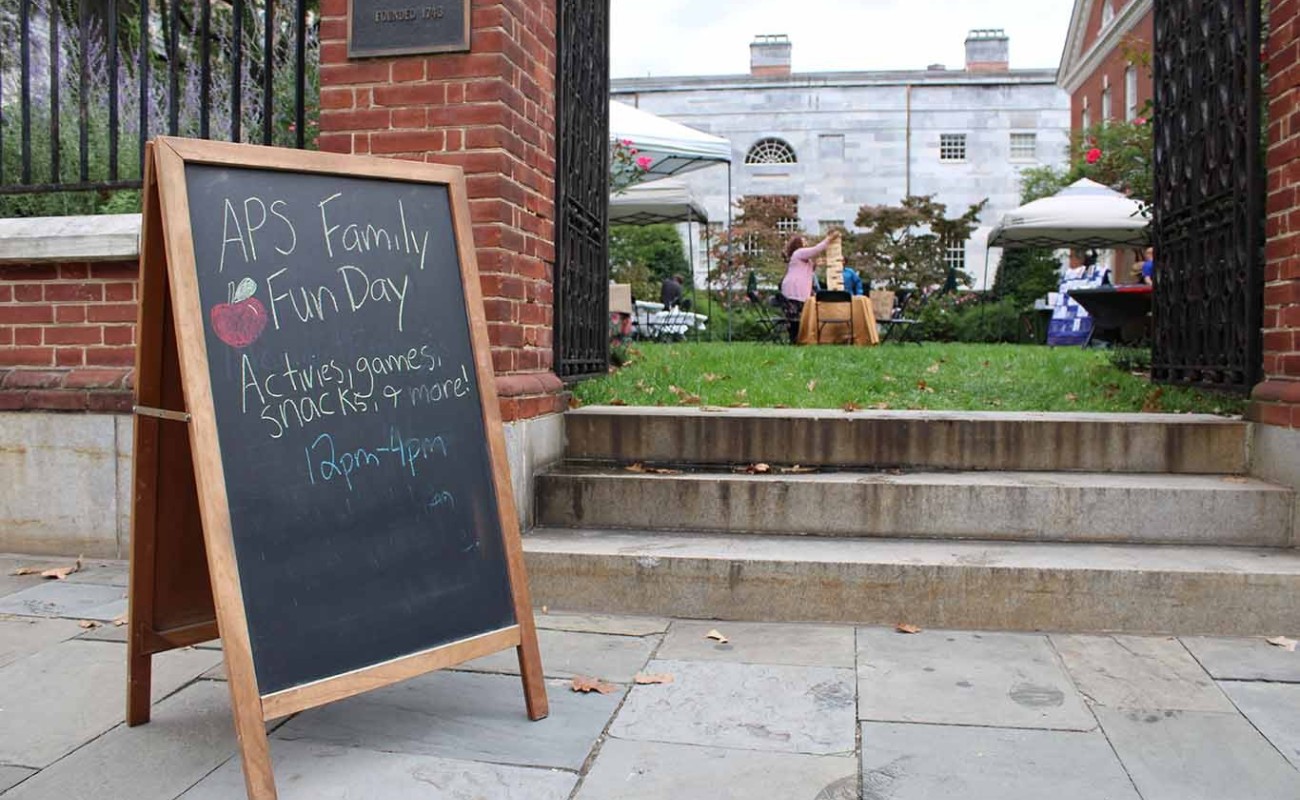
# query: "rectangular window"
[[831, 145], [1024, 146], [954, 256], [1130, 94], [1106, 114], [788, 225], [1086, 117], [952, 147]]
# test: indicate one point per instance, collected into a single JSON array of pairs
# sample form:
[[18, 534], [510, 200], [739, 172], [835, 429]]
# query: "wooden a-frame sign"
[[188, 582]]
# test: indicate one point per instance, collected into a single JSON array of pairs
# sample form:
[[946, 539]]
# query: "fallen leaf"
[[1152, 401], [574, 402], [933, 368], [663, 471], [881, 406], [646, 678], [887, 378], [716, 635], [62, 573], [87, 624], [119, 621], [984, 363], [637, 467], [1235, 479], [1072, 397], [797, 470], [713, 409], [812, 385], [738, 405], [582, 683], [617, 402], [742, 393], [904, 627], [709, 377], [924, 387], [759, 469], [780, 405], [852, 407], [27, 571], [1283, 642], [544, 609]]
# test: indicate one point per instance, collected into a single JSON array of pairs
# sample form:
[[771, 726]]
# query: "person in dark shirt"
[[670, 294]]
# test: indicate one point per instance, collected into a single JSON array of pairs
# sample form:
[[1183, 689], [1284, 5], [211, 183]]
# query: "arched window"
[[770, 151]]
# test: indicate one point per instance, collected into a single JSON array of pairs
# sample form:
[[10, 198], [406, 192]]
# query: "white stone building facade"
[[840, 140]]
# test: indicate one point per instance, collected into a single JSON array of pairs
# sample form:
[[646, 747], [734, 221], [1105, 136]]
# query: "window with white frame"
[[954, 255], [1130, 94], [788, 225], [1085, 118], [770, 151], [952, 147], [1024, 146], [1106, 115]]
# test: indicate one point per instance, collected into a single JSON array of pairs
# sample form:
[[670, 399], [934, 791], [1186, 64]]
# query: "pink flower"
[[644, 162], [1094, 155], [1140, 121], [632, 151], [625, 142]]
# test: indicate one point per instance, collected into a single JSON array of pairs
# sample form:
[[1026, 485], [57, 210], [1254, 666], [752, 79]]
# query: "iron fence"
[[85, 83]]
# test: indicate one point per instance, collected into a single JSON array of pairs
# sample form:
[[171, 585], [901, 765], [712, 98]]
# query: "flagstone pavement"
[[782, 711]]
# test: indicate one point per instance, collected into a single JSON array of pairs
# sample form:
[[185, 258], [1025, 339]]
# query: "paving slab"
[[65, 599], [106, 573], [618, 625], [1274, 709], [1244, 658], [12, 776], [63, 696], [566, 653], [22, 636], [1139, 672], [920, 762], [761, 643], [190, 734], [9, 582], [462, 715], [744, 706], [316, 771], [1197, 755], [1007, 680], [654, 771]]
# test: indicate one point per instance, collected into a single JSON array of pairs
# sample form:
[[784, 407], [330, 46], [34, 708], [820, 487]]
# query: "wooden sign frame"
[[185, 583]]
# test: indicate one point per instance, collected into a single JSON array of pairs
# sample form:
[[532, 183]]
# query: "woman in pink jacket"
[[797, 285]]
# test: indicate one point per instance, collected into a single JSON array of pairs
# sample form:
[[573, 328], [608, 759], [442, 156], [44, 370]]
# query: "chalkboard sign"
[[347, 448]]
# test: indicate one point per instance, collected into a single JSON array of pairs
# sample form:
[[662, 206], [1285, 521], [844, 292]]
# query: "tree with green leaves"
[[903, 246], [644, 255]]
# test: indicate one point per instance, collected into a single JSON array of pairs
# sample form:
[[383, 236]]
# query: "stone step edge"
[[1149, 589]]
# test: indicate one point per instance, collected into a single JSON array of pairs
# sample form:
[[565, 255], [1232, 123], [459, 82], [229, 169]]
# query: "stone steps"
[[1144, 443], [967, 584], [1004, 506]]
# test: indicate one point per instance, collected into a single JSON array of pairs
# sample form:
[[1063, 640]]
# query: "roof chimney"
[[988, 50], [769, 56]]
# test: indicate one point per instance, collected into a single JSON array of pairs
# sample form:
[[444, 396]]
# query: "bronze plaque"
[[401, 27]]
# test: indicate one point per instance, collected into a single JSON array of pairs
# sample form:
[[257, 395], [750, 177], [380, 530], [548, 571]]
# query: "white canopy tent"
[[1084, 215], [672, 147], [665, 200]]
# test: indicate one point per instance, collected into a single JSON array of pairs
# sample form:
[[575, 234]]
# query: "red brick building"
[[1105, 64]]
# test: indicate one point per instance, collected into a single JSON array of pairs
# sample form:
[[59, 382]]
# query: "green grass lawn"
[[932, 376]]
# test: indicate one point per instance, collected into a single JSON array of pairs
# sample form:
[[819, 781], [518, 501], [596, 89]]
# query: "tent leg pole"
[[731, 263]]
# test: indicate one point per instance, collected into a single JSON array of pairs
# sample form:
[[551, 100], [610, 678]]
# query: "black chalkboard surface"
[[363, 514]]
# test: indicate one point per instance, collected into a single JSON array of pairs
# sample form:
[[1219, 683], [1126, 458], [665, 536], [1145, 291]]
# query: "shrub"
[[989, 322]]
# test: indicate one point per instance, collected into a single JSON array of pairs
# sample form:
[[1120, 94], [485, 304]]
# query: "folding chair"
[[835, 309], [902, 328]]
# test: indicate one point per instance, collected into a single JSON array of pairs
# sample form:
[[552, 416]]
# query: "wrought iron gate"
[[1209, 190], [582, 190]]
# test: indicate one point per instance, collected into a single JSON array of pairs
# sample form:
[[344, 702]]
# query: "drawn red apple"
[[239, 322]]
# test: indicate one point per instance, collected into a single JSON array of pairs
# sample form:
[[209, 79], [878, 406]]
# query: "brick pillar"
[[1276, 400], [490, 111]]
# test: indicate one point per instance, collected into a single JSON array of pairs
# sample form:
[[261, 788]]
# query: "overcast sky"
[[711, 37]]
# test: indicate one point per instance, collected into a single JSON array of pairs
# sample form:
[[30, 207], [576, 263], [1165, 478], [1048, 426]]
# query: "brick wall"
[[1277, 399], [490, 111], [67, 336]]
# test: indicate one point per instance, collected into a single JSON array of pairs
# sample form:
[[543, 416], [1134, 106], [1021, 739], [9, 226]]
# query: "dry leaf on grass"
[[586, 685], [1072, 397], [851, 407], [780, 405], [1152, 401], [87, 624], [617, 402], [887, 378], [923, 386], [904, 627], [62, 573], [738, 405], [881, 406], [933, 368], [646, 678], [574, 402], [1283, 642], [709, 377], [716, 635], [812, 385]]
